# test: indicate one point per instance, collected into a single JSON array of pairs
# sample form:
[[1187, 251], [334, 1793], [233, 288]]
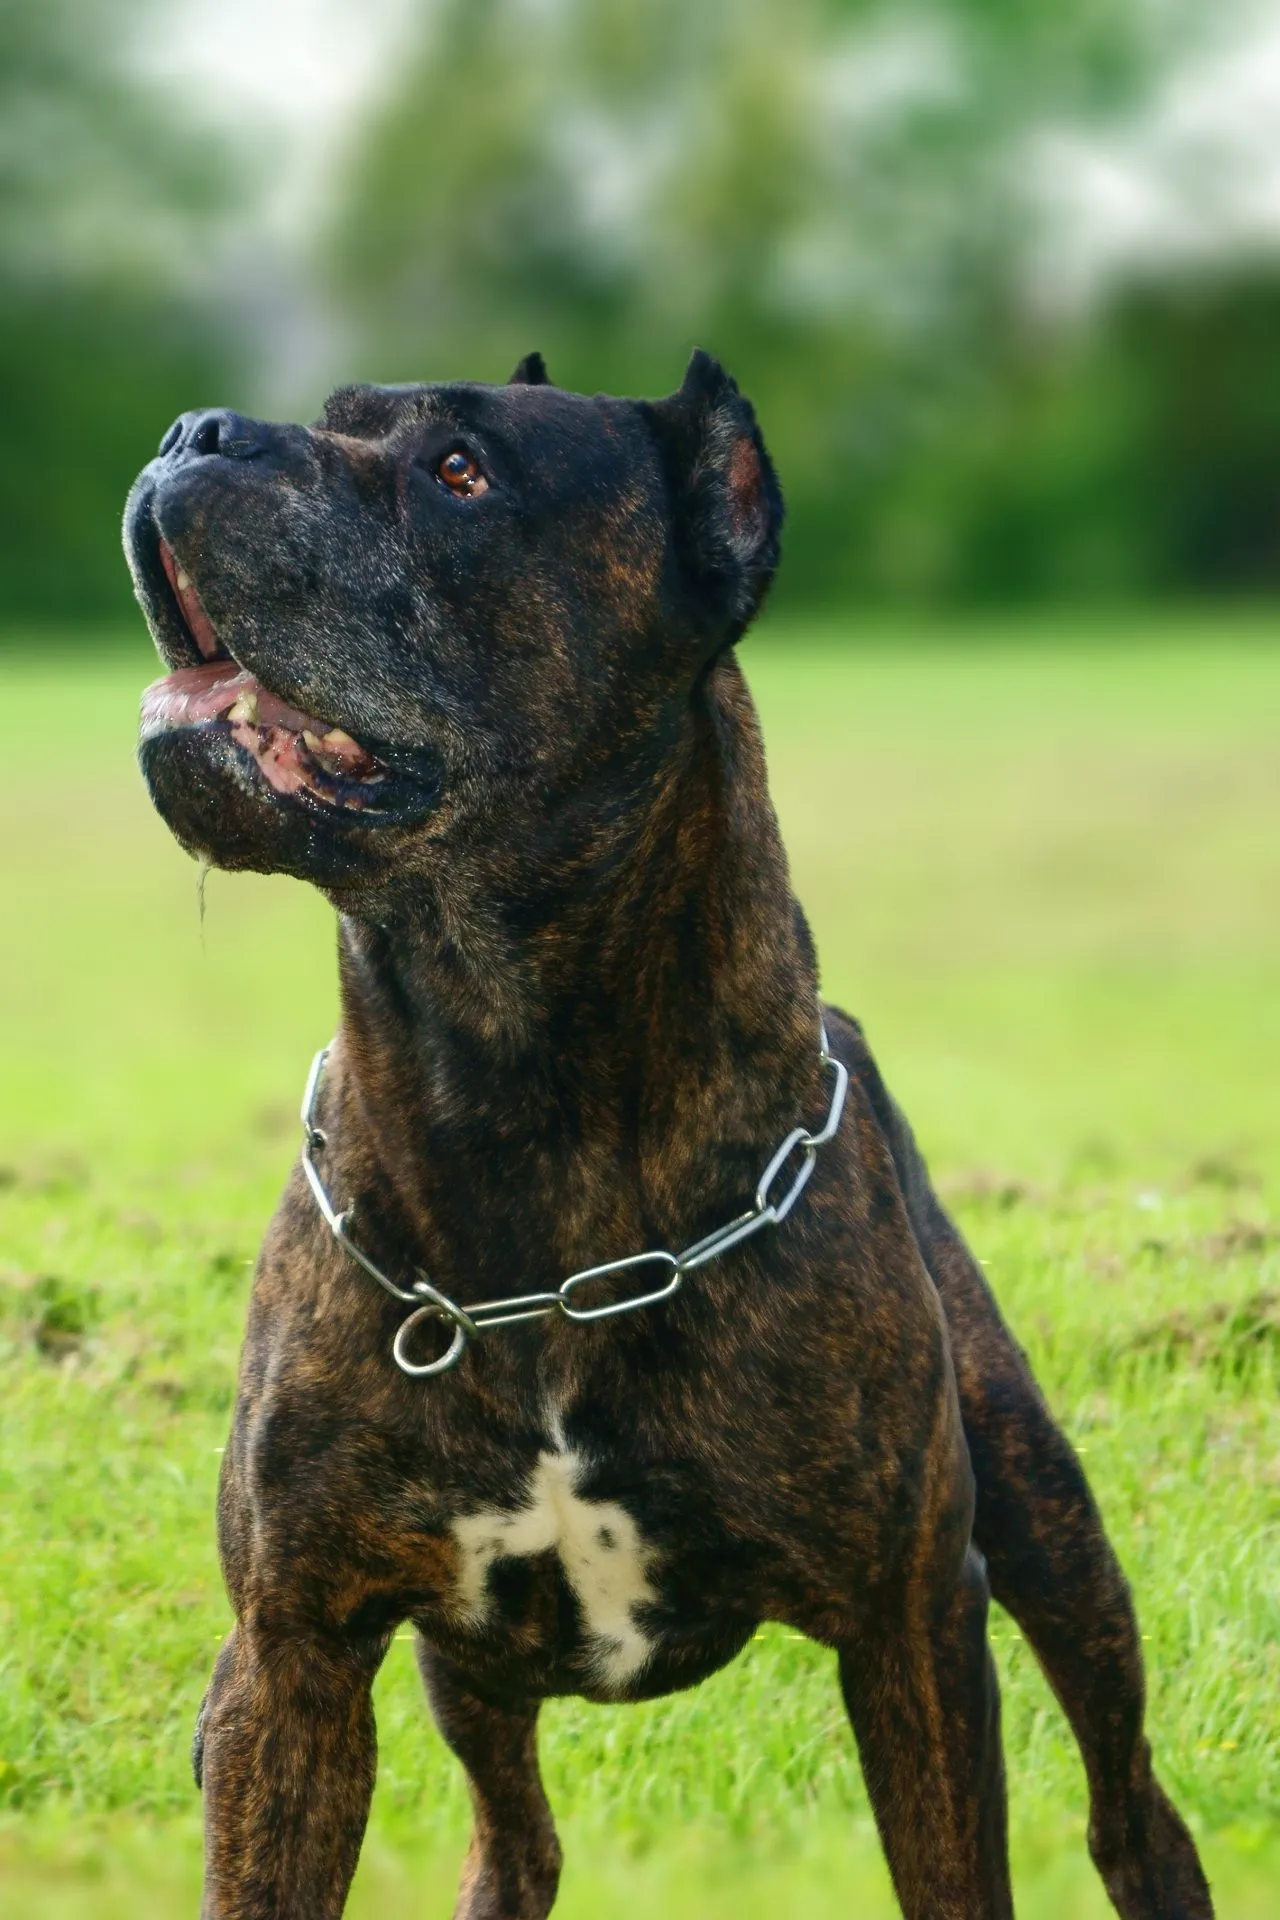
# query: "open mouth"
[[296, 753]]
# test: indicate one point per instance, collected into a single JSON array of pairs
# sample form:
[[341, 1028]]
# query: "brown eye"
[[460, 473]]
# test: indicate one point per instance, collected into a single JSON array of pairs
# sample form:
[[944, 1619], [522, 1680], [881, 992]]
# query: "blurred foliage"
[[1138, 456], [104, 197], [832, 195], [836, 196]]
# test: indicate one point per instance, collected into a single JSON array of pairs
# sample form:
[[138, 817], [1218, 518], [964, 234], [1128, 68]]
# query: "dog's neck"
[[616, 1065]]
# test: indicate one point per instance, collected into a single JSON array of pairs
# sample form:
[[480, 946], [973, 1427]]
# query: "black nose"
[[214, 430]]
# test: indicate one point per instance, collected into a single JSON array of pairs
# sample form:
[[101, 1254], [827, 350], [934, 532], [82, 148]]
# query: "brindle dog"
[[462, 656]]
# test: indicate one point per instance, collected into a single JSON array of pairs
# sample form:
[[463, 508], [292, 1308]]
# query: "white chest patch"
[[600, 1548]]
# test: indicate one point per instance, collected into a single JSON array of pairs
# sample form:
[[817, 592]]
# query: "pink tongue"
[[193, 694]]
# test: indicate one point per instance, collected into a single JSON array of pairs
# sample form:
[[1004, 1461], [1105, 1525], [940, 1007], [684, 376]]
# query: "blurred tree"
[[104, 200], [838, 196], [1139, 455], [831, 194]]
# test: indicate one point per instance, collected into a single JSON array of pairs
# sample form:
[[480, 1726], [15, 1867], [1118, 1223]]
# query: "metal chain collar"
[[469, 1322]]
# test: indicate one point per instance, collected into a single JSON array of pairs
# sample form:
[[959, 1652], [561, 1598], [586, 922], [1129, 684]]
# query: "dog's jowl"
[[464, 657]]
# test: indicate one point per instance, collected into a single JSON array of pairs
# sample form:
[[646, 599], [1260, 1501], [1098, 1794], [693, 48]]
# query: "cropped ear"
[[724, 494], [532, 372]]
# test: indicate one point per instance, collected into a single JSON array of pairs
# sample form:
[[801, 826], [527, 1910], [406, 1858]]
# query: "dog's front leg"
[[512, 1867], [921, 1691], [287, 1755]]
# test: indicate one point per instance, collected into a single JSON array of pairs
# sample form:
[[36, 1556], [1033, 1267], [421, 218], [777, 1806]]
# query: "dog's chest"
[[602, 1554]]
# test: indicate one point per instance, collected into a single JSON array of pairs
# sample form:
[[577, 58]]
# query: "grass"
[[1049, 881]]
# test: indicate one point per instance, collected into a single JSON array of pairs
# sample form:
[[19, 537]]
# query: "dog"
[[609, 1311]]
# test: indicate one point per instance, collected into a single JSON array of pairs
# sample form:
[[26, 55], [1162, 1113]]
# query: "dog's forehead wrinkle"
[[545, 428], [359, 449], [356, 410]]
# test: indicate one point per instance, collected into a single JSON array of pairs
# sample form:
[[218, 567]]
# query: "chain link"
[[468, 1323]]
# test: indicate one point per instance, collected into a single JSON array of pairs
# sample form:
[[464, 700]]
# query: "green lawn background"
[[1048, 880]]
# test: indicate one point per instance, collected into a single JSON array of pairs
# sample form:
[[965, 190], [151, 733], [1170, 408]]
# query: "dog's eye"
[[461, 474]]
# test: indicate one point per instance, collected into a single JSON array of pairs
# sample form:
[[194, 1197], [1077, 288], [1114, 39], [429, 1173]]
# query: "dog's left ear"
[[724, 493], [532, 372]]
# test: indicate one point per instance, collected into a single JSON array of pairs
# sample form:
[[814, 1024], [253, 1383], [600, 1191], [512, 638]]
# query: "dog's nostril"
[[205, 434], [221, 432], [171, 438]]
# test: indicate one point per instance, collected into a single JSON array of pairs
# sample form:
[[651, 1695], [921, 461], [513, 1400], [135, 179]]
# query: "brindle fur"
[[579, 1010]]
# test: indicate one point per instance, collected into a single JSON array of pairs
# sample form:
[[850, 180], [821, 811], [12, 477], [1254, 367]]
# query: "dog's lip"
[[197, 620], [295, 752], [345, 780], [191, 695]]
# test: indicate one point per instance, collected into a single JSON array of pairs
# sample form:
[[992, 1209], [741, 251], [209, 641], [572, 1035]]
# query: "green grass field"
[[1049, 883]]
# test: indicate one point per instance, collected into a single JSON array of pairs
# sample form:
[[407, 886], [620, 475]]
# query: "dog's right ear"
[[532, 372], [724, 494]]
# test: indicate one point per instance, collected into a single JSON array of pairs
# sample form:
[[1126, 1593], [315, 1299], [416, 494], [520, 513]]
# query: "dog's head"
[[442, 618]]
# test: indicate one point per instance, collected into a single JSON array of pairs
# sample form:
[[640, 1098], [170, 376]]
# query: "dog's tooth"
[[339, 742], [245, 708], [183, 581], [312, 739]]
